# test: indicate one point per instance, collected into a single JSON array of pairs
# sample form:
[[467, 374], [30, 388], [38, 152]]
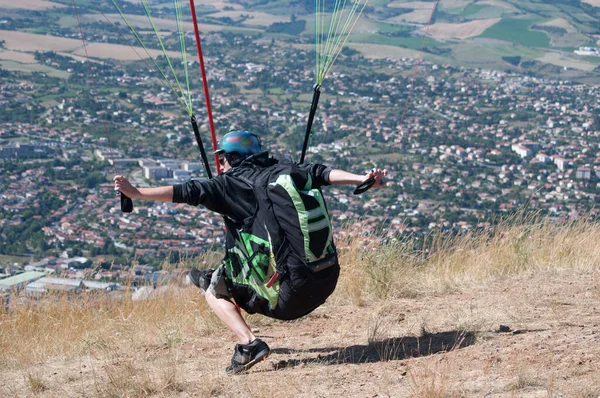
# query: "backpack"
[[288, 240]]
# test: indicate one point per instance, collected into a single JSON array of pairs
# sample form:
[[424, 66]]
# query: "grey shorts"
[[218, 284]]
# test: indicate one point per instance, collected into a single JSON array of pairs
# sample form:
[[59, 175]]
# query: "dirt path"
[[443, 345]]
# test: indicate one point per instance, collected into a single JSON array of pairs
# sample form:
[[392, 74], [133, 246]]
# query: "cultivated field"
[[517, 31], [30, 42], [35, 5], [21, 41], [19, 67], [121, 52], [217, 4], [141, 22], [595, 3], [509, 314], [560, 23], [572, 38], [383, 51], [17, 56], [461, 31], [416, 16], [417, 5], [555, 58], [254, 18], [497, 3], [454, 3]]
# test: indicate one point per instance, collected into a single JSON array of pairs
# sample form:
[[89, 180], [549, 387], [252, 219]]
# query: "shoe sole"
[[259, 358]]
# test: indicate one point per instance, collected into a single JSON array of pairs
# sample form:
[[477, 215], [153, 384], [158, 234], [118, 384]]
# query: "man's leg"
[[229, 314]]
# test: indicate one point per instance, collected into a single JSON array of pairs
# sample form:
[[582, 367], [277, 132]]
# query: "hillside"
[[401, 324], [539, 37]]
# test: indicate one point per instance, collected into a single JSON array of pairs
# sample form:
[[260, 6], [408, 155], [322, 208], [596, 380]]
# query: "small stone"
[[504, 329]]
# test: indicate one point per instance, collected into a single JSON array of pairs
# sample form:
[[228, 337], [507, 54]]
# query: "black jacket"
[[229, 195]]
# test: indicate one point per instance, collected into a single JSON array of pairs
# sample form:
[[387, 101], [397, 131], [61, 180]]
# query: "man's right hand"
[[125, 187], [378, 175]]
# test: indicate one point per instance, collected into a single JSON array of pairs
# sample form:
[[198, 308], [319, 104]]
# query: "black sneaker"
[[246, 356], [200, 278]]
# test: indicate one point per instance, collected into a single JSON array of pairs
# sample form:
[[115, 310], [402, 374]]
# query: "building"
[[181, 175], [560, 162], [45, 285], [20, 150], [522, 150], [583, 173], [157, 173], [192, 166], [19, 281]]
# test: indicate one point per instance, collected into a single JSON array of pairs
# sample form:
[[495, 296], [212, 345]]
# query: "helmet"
[[242, 142]]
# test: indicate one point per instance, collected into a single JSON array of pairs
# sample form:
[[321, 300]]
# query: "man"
[[280, 261]]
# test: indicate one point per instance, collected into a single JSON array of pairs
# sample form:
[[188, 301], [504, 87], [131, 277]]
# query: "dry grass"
[[97, 324], [376, 269], [461, 30], [172, 344]]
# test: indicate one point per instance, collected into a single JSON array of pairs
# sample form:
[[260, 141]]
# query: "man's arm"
[[162, 194], [340, 177]]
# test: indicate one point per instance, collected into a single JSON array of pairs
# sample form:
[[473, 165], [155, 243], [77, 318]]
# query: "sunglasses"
[[222, 160]]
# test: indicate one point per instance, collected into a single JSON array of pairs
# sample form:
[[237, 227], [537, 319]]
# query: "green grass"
[[471, 9], [70, 93], [453, 10], [393, 28], [6, 259], [489, 56], [30, 68], [517, 31], [534, 7], [414, 43]]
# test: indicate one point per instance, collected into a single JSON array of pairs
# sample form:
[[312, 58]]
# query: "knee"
[[210, 298]]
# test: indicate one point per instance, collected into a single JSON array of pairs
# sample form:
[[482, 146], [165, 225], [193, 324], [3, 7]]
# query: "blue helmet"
[[242, 142]]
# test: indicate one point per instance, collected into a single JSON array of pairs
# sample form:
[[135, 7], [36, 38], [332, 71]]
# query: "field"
[[21, 57], [20, 67], [595, 3], [414, 43], [21, 41], [29, 4], [559, 60], [141, 22], [512, 314], [121, 52], [253, 18], [30, 42], [4, 259], [489, 55], [461, 31], [517, 31], [416, 16], [417, 5], [459, 24]]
